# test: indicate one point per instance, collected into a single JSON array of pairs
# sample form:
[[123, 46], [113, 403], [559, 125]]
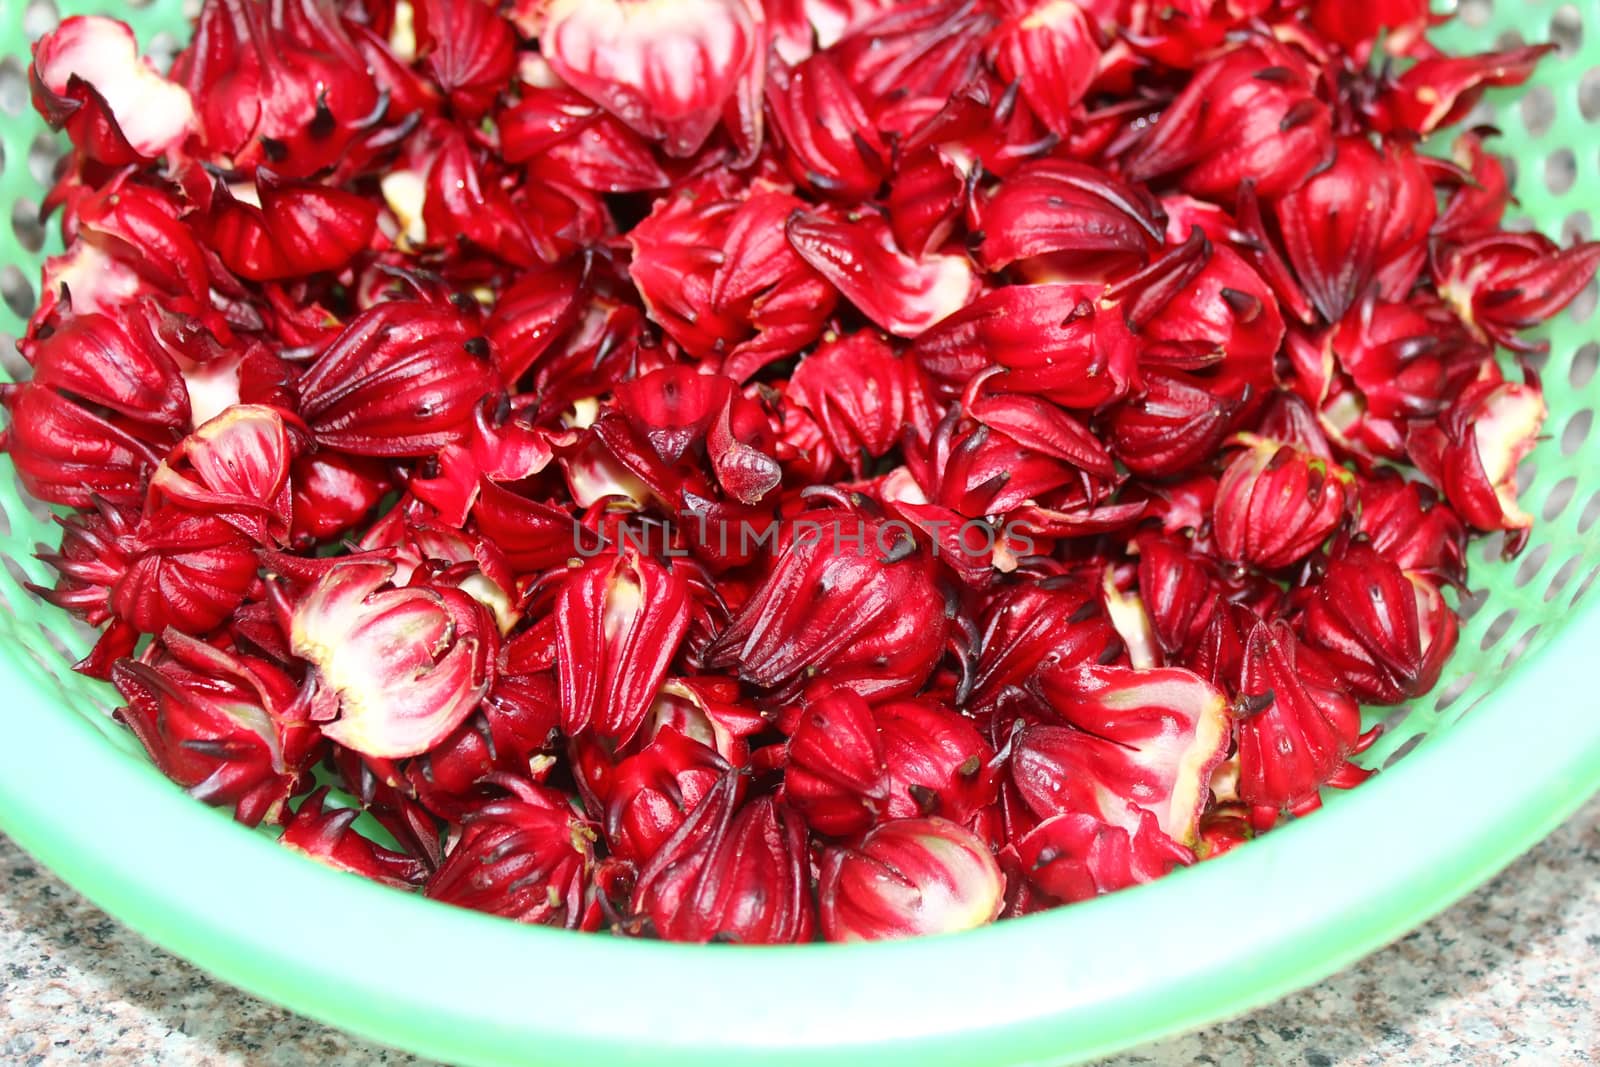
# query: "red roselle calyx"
[[909, 877], [761, 470]]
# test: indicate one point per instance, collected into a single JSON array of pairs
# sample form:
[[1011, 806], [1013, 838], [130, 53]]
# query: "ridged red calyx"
[[1250, 113], [1084, 358], [1052, 50], [184, 571], [672, 71], [619, 620], [1028, 629], [525, 856], [297, 228], [468, 50], [858, 391], [1333, 224], [1179, 589], [1297, 727], [731, 873], [850, 596], [1406, 523], [647, 796], [829, 142], [908, 877], [1385, 632], [1505, 283], [1277, 503], [1170, 424], [401, 379], [718, 274], [1066, 216], [937, 762], [235, 467], [1135, 744], [835, 774], [230, 728], [905, 294], [280, 85]]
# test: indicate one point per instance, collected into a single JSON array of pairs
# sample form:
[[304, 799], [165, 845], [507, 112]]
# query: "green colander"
[[1472, 792]]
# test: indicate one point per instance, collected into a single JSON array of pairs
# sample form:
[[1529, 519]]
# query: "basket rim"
[[1063, 985]]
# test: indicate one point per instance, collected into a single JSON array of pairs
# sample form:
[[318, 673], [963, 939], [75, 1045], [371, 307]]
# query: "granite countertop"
[[1511, 974]]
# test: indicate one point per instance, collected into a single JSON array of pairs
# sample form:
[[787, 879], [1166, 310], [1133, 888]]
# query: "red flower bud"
[[1251, 113], [1172, 424], [1012, 452], [828, 141], [870, 618], [66, 453], [468, 50], [913, 51], [730, 875], [235, 467], [115, 363], [466, 200], [1297, 729], [1277, 503], [619, 621], [400, 667], [333, 492], [1078, 856], [1179, 590], [1386, 633], [560, 134], [667, 68], [1150, 739], [1407, 525], [283, 86], [1333, 224], [1080, 217], [909, 877], [229, 728], [298, 228], [1036, 626], [937, 762], [531, 315], [132, 242], [856, 389], [720, 278], [835, 775], [525, 857], [401, 379], [647, 796], [1505, 283], [1438, 91], [1058, 342], [1051, 48], [1222, 318]]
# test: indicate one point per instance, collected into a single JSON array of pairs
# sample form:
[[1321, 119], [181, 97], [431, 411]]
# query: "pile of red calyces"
[[751, 472]]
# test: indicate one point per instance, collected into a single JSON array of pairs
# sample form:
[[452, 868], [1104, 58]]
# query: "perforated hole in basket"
[[1552, 135]]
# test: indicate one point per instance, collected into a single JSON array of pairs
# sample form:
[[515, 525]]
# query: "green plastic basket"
[[1472, 792]]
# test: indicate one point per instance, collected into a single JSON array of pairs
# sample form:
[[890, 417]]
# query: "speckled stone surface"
[[1510, 975]]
